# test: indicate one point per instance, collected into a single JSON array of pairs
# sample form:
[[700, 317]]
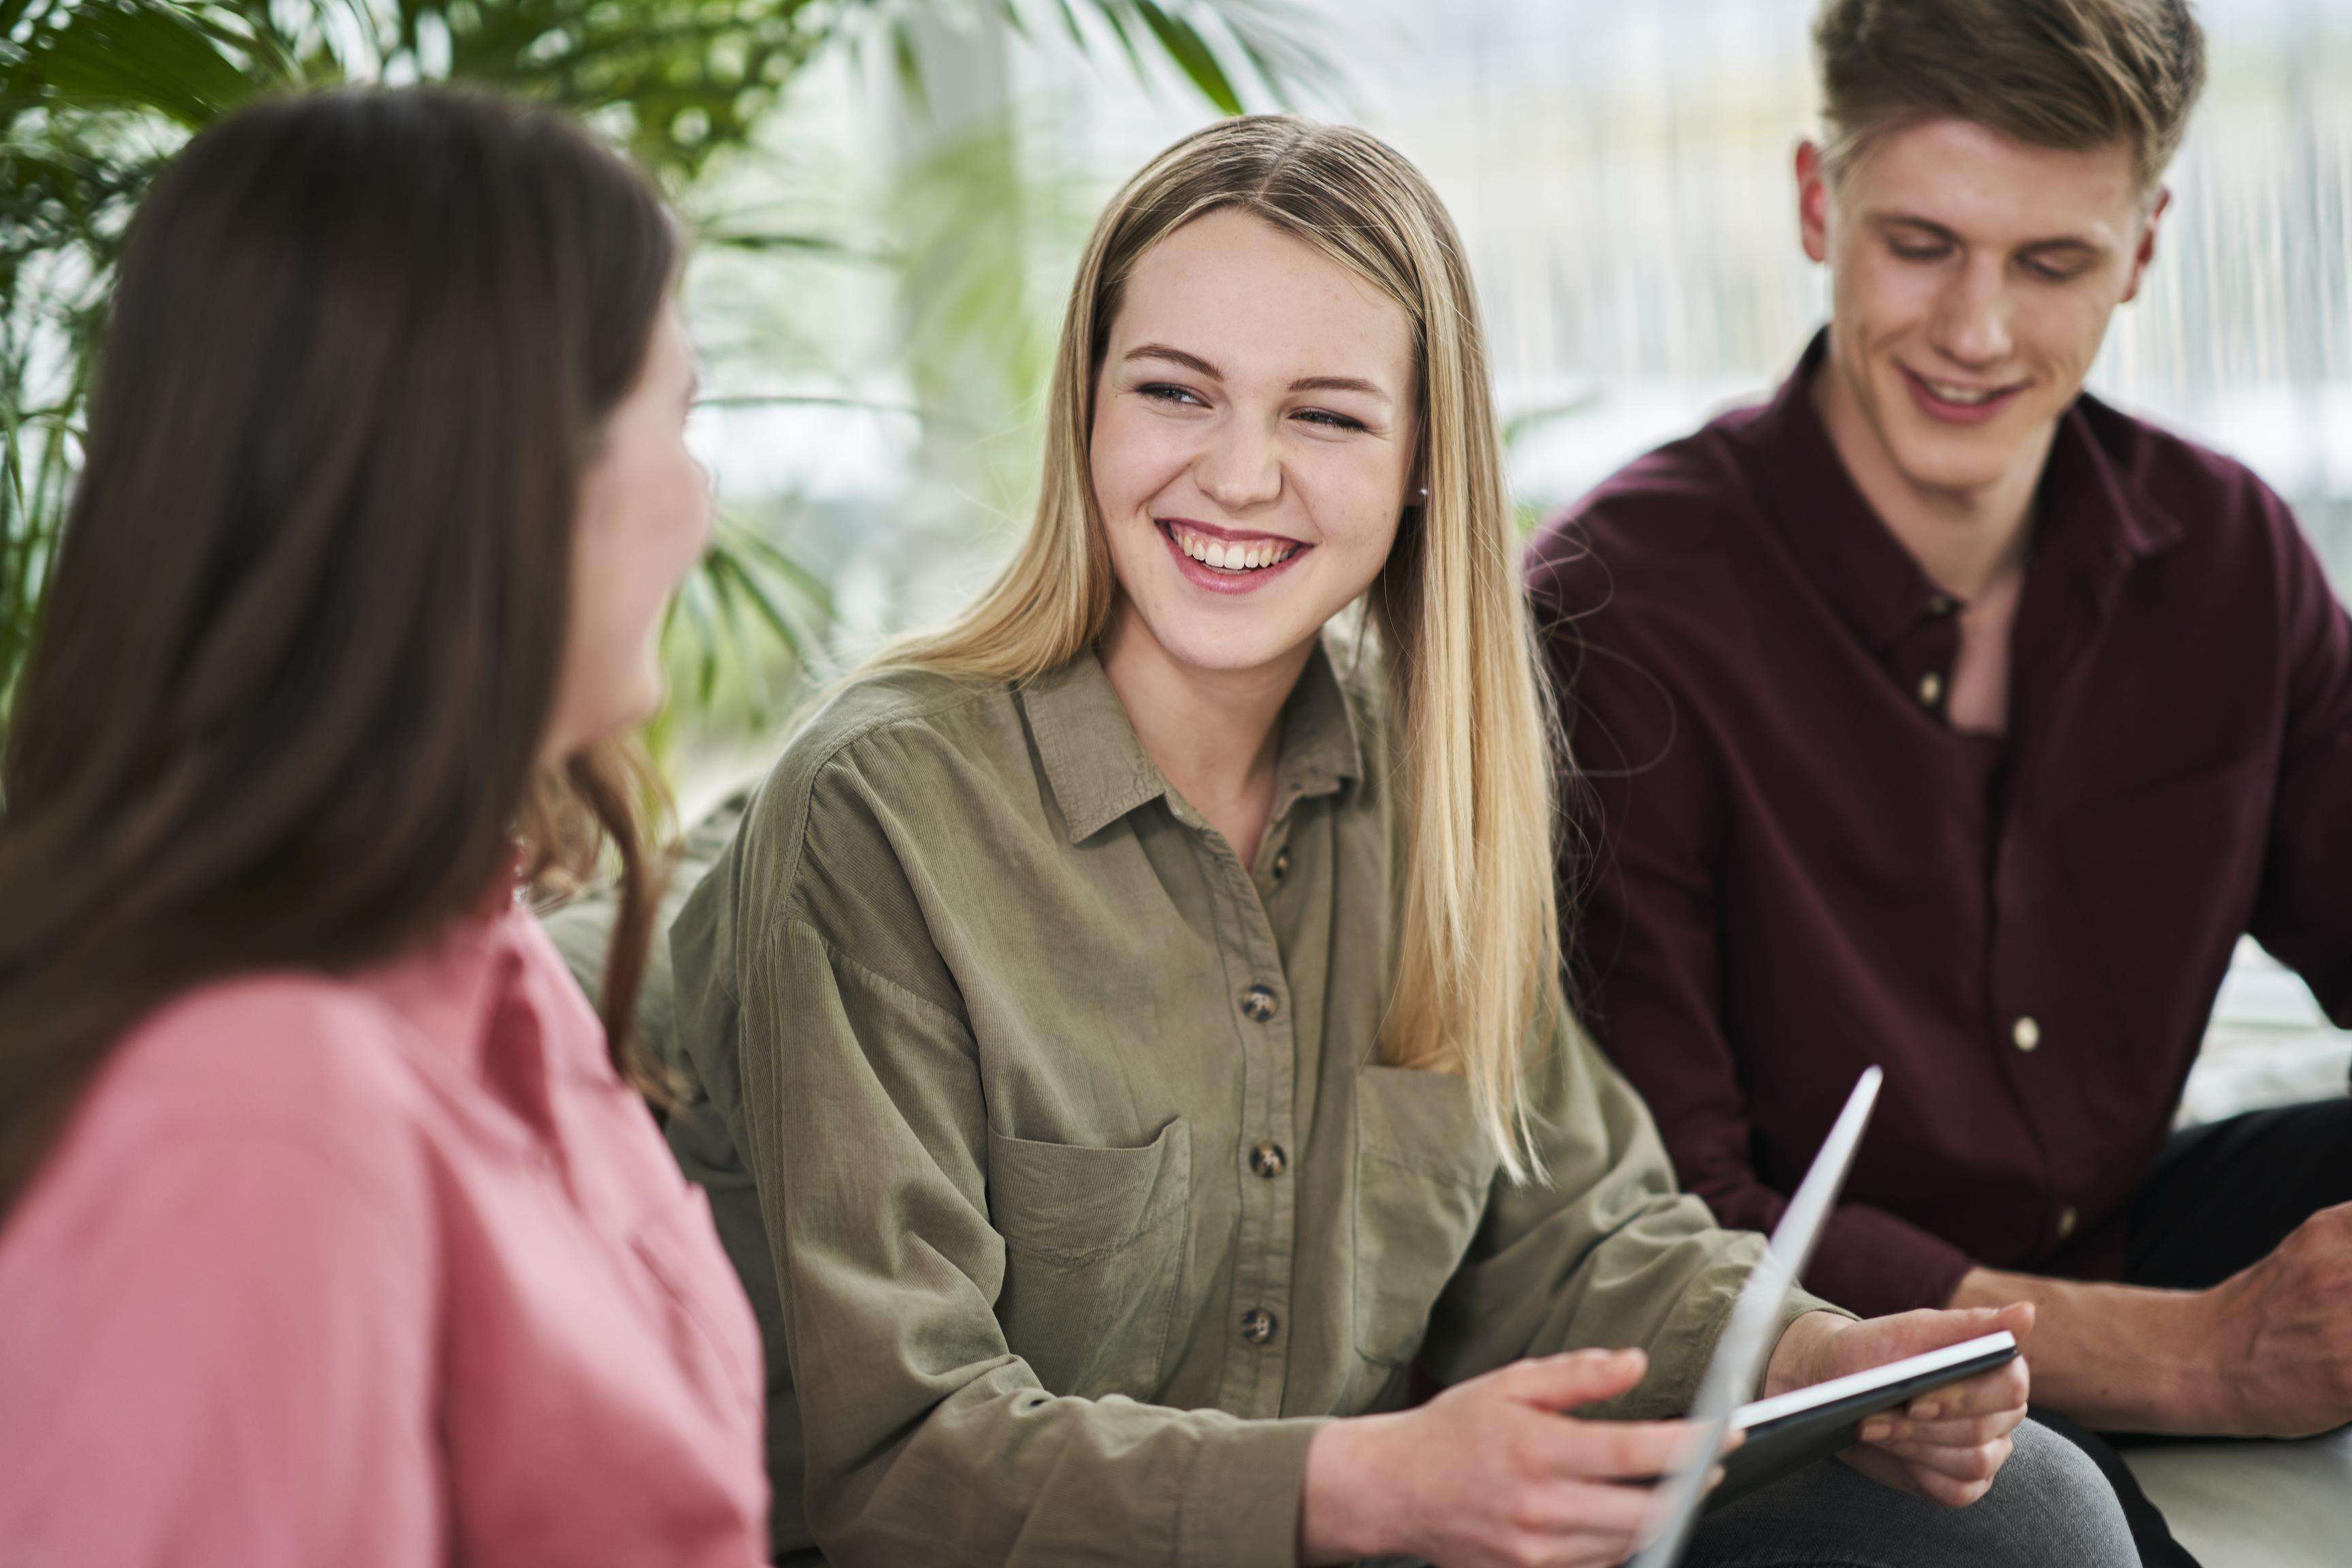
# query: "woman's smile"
[[1223, 561]]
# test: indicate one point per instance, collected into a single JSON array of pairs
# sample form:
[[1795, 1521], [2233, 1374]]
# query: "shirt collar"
[[1098, 771], [464, 991], [2086, 517]]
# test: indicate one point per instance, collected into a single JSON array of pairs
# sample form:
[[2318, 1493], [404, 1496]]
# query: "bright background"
[[1621, 174], [890, 196]]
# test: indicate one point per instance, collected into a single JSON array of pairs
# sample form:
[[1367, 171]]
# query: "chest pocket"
[[1423, 1172], [1093, 1256]]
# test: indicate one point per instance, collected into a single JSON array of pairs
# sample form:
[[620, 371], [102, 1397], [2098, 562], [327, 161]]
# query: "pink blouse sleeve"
[[225, 1360]]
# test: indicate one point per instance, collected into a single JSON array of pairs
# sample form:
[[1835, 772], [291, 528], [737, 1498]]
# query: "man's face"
[[1972, 279]]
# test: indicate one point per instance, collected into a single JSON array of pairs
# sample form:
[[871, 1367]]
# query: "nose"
[[1970, 325], [1240, 467]]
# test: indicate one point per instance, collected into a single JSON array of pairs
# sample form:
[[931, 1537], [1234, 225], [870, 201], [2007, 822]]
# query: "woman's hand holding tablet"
[[1497, 1471], [1946, 1444]]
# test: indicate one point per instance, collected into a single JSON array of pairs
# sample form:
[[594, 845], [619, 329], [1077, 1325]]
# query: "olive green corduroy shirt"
[[1047, 1138]]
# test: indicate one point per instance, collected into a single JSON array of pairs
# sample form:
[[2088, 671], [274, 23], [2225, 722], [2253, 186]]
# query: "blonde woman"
[[1127, 1027]]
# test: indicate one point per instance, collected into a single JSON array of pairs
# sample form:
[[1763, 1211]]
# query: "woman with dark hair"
[[332, 1226]]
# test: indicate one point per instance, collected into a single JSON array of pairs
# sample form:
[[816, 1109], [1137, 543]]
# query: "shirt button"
[[2067, 1219], [1942, 605], [2025, 1034], [1267, 1160], [1258, 1325], [1931, 689], [1258, 1003], [1281, 864]]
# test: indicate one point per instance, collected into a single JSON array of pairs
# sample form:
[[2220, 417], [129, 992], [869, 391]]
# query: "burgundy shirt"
[[1796, 867]]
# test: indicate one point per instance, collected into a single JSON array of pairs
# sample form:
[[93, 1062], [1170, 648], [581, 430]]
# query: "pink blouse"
[[388, 1271]]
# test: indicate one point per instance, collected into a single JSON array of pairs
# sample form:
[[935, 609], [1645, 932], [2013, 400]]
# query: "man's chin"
[[1958, 467]]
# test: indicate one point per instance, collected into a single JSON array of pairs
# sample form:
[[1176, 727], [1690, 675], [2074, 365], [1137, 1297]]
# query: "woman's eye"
[[1160, 392], [1329, 420]]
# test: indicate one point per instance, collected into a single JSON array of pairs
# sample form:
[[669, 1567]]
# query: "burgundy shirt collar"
[[2093, 525]]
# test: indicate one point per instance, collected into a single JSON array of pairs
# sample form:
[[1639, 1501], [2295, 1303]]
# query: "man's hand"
[[1949, 1443], [2265, 1353], [2282, 1335]]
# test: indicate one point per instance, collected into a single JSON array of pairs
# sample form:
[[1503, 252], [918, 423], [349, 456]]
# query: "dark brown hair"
[[2070, 74], [288, 700]]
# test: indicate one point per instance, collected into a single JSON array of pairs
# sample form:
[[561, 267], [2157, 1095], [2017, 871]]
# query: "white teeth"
[[1234, 557], [1967, 397]]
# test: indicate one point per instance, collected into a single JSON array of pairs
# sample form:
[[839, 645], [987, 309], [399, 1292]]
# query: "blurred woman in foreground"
[[335, 1229]]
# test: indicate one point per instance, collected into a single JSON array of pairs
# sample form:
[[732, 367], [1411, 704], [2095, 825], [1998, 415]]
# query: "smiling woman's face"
[[1254, 428]]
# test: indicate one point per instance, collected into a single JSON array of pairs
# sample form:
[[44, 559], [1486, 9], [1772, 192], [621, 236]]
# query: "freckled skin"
[[1243, 451]]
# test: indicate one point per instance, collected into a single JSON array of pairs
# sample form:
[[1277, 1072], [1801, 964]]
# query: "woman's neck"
[[1216, 734]]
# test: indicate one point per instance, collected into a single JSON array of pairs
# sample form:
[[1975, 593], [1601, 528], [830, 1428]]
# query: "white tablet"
[[1746, 1339]]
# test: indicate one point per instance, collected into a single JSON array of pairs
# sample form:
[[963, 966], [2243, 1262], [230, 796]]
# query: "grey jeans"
[[2049, 1508]]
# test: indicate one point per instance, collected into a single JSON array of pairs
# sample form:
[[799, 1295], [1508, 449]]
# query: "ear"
[[1814, 201], [2145, 255]]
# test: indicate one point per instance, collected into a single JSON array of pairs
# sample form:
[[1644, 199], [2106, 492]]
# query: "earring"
[[1422, 494]]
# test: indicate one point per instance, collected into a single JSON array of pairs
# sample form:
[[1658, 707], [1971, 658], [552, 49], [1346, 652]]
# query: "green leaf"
[[909, 65], [139, 55], [733, 569], [1191, 52], [801, 400], [812, 587], [754, 240]]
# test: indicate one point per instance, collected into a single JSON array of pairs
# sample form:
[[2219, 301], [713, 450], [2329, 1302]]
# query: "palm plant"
[[95, 94]]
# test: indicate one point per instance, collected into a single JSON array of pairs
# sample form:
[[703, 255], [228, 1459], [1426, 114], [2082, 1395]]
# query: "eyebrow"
[[1303, 383], [2066, 242]]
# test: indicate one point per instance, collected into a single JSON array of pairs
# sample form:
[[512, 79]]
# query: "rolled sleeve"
[[1605, 1253], [1242, 1497]]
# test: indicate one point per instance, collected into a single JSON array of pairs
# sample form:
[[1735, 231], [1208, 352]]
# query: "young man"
[[1937, 715]]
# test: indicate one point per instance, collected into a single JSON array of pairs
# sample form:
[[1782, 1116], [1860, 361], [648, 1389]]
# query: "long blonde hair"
[[1469, 731]]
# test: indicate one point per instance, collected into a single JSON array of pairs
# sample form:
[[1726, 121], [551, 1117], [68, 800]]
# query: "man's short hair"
[[2070, 74]]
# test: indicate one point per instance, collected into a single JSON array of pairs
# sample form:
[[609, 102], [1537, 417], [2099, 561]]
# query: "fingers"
[[1595, 1522], [1901, 1335], [1893, 1431], [1608, 1450], [2018, 1318], [1576, 1378], [1946, 1491], [1977, 1463], [1593, 1507], [1987, 1393], [1923, 1480]]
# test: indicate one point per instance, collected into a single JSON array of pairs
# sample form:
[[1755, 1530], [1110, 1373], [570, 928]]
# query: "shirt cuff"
[[1243, 1496]]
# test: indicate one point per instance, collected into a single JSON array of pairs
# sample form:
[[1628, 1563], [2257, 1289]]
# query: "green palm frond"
[[749, 616], [1218, 47], [95, 94]]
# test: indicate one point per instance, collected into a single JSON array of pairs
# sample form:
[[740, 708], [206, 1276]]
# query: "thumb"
[[1575, 1378], [1955, 1327], [2017, 1318]]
